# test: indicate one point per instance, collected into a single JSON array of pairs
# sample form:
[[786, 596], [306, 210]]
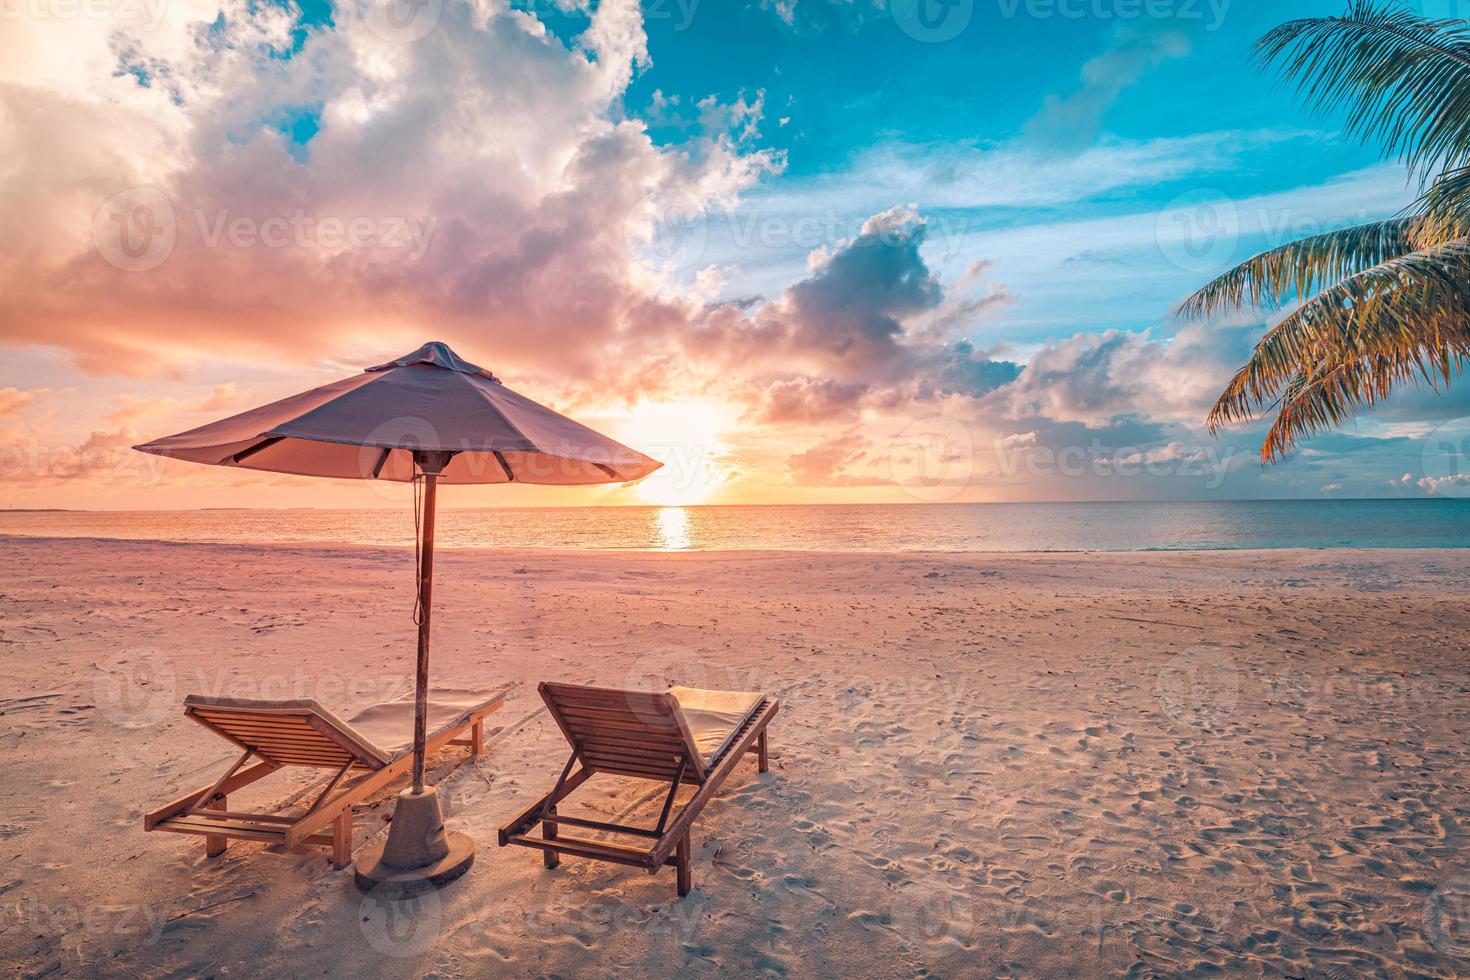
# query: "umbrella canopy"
[[367, 427], [429, 417]]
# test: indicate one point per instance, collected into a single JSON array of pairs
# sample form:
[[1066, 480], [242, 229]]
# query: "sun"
[[685, 437]]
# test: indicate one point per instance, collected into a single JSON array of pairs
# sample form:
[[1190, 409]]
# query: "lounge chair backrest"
[[286, 733], [626, 733]]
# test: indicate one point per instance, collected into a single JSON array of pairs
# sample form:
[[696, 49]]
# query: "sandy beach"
[[1190, 764]]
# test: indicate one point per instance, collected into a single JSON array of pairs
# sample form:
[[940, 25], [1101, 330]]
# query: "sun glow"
[[684, 436]]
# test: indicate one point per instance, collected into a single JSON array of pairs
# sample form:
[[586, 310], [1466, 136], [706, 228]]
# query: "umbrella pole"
[[419, 853], [426, 597]]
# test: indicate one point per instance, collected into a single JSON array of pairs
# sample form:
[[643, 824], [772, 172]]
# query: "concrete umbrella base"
[[418, 856]]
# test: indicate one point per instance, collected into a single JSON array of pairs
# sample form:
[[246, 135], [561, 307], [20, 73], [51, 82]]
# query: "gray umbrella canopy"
[[429, 417], [367, 427]]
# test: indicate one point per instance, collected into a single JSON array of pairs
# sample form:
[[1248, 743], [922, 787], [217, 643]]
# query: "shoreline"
[[8, 537]]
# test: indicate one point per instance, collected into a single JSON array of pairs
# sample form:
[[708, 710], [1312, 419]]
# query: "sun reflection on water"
[[671, 524]]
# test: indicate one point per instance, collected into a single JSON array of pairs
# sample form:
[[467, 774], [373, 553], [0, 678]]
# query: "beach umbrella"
[[428, 417]]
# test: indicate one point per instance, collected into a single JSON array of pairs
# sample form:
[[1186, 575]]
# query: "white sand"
[[1184, 764]]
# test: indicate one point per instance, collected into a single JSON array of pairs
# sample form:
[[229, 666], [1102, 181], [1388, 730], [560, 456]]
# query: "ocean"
[[1424, 523]]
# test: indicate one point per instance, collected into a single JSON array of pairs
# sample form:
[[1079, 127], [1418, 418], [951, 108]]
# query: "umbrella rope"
[[418, 556]]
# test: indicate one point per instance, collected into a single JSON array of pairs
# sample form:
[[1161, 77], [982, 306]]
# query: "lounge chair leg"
[[477, 738], [215, 844], [762, 757], [681, 865], [342, 840], [548, 832]]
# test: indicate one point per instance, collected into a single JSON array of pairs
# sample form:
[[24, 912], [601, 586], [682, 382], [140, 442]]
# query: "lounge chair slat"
[[276, 738], [648, 741], [651, 770], [581, 728], [607, 763], [643, 736], [640, 721], [308, 738], [653, 752], [634, 772], [572, 695]]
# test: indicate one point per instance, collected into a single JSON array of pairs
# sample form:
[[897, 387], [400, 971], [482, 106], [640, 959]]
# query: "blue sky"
[[868, 117], [779, 233]]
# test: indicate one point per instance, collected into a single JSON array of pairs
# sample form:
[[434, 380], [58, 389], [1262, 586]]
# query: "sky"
[[803, 251]]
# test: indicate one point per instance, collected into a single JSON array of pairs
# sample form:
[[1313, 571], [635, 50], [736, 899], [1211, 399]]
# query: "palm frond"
[[1326, 399], [1301, 268], [1404, 80], [1448, 198], [1412, 310]]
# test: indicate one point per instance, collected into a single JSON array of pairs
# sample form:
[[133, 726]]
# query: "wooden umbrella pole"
[[426, 595]]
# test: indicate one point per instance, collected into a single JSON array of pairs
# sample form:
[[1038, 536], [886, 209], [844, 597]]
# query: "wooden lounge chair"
[[683, 737], [365, 753]]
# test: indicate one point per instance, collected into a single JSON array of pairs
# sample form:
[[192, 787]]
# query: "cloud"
[[103, 456], [1071, 123], [223, 396], [1095, 378], [824, 464], [14, 401], [503, 211]]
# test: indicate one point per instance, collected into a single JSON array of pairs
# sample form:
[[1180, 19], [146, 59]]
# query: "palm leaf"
[[1303, 267], [1411, 309], [1403, 80]]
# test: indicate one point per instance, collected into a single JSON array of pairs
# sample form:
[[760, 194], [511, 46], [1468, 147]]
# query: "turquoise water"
[[1430, 523]]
